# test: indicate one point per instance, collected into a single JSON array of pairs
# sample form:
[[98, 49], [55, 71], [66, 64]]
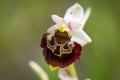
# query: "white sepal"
[[74, 13]]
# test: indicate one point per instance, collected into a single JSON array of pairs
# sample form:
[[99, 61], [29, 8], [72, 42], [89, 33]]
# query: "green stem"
[[72, 70]]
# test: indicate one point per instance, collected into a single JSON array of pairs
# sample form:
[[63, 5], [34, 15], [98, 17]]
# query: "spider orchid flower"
[[62, 43]]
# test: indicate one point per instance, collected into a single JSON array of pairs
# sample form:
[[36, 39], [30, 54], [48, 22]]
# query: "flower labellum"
[[62, 43]]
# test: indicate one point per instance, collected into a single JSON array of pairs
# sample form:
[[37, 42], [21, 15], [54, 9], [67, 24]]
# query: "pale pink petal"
[[74, 25], [57, 19]]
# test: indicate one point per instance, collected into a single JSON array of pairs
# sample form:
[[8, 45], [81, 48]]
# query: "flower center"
[[61, 37], [58, 42]]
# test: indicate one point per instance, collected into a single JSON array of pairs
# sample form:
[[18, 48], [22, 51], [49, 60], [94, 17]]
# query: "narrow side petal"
[[81, 37], [86, 16], [74, 13], [57, 19], [52, 28]]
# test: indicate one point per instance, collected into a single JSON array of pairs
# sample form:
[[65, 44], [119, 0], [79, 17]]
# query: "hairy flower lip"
[[61, 38], [63, 60], [60, 61]]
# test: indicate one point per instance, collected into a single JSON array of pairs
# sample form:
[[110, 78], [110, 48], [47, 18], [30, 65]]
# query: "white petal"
[[81, 37], [74, 13], [86, 16], [57, 19], [74, 26]]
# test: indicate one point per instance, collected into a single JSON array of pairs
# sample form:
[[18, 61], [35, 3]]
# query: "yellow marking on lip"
[[62, 28], [53, 68]]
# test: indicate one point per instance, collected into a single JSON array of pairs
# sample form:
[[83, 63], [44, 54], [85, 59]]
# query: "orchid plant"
[[63, 42]]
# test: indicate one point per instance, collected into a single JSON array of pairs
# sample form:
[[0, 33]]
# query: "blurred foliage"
[[22, 23]]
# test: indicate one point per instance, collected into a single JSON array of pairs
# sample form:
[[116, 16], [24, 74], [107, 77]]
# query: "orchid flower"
[[62, 43]]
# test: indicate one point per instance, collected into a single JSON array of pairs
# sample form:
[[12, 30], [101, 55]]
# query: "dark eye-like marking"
[[71, 12]]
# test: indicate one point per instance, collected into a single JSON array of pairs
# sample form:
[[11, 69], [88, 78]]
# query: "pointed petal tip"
[[88, 11], [77, 4], [54, 15], [88, 40]]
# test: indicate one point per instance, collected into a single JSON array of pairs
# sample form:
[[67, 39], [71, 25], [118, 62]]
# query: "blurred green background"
[[22, 23]]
